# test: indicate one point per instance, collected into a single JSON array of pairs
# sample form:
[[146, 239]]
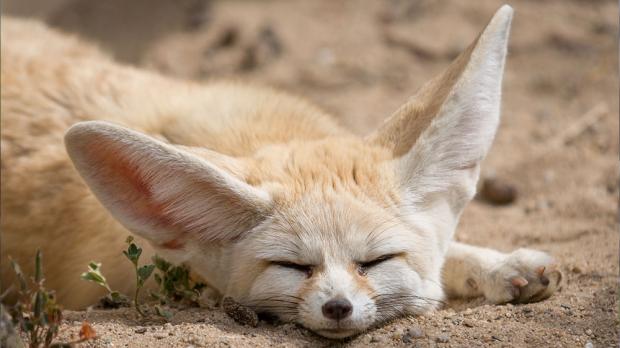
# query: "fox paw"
[[524, 276]]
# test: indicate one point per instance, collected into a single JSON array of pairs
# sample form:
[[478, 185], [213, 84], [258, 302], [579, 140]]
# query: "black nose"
[[337, 309]]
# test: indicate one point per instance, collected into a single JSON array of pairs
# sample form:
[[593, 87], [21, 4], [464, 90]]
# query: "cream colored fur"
[[260, 192]]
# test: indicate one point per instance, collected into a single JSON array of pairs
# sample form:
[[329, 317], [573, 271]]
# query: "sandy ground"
[[360, 60]]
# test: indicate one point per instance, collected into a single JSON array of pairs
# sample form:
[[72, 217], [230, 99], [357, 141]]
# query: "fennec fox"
[[261, 193]]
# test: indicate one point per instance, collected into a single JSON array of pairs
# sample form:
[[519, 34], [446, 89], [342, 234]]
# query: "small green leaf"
[[144, 273], [38, 272], [94, 277], [133, 253], [20, 275], [94, 266], [161, 264], [162, 312], [38, 304]]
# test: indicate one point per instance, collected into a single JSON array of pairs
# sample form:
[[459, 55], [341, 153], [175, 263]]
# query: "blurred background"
[[360, 60]]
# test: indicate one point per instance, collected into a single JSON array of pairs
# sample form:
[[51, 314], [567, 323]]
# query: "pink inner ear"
[[172, 244], [161, 193], [125, 181]]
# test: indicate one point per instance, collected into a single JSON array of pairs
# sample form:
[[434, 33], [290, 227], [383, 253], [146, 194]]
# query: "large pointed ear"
[[166, 194], [440, 136]]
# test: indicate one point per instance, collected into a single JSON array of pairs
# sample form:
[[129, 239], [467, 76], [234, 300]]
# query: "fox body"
[[261, 193]]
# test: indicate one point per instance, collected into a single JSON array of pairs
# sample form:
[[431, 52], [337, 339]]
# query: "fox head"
[[337, 234]]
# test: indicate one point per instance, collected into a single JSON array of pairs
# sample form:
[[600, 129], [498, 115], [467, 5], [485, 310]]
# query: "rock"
[[588, 332], [443, 338], [140, 330], [497, 192], [240, 313], [589, 345], [576, 270], [469, 323]]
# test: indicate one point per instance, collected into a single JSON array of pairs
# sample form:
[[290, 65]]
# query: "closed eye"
[[307, 269], [363, 267]]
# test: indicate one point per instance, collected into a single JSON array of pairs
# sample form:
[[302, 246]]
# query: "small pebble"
[[140, 330], [589, 345], [576, 270], [498, 192], [588, 332], [241, 314], [468, 323], [508, 315], [443, 338]]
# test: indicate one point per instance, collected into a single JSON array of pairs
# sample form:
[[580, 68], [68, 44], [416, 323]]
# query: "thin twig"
[[575, 129]]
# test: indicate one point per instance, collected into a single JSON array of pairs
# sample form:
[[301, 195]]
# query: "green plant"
[[36, 312], [143, 273], [175, 283], [113, 298]]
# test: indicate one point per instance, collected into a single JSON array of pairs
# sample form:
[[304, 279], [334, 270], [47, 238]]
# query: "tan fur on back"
[[51, 81]]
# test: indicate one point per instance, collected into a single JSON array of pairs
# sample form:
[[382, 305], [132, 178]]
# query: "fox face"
[[362, 265], [342, 255], [338, 233]]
